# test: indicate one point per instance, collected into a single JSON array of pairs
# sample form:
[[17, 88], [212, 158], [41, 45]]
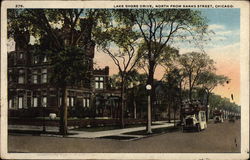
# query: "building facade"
[[30, 91]]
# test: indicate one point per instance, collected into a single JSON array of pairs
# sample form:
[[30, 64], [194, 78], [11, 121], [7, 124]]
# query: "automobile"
[[231, 119], [218, 116], [237, 117], [194, 116]]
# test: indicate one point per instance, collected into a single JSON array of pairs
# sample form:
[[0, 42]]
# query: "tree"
[[208, 81], [160, 27], [65, 36], [222, 103], [173, 80], [194, 64], [135, 80], [166, 59], [120, 44]]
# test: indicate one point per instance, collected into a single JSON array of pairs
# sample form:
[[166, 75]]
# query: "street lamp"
[[208, 112], [149, 87]]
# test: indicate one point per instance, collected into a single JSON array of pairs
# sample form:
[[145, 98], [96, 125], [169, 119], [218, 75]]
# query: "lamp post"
[[149, 131], [208, 112]]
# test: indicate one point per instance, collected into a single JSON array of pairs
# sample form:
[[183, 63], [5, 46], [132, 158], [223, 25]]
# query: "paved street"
[[224, 137]]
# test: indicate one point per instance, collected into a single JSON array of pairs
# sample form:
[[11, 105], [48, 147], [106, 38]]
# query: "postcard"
[[124, 80]]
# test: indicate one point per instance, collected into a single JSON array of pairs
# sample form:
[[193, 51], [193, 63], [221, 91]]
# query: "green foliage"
[[194, 65], [210, 80], [136, 78], [75, 64], [162, 25], [195, 62], [63, 35], [218, 102], [80, 112], [16, 22], [167, 56], [139, 95]]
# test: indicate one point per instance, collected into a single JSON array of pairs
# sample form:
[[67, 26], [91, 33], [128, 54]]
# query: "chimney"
[[107, 70]]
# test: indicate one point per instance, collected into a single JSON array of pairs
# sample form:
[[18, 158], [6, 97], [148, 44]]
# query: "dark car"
[[231, 119]]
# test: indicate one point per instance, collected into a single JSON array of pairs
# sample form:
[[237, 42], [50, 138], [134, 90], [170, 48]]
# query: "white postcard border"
[[244, 45]]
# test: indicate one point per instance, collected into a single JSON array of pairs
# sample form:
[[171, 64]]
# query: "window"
[[72, 101], [20, 102], [21, 76], [35, 59], [21, 71], [203, 116], [45, 59], [101, 85], [99, 82], [60, 101], [10, 103], [85, 102], [197, 117], [21, 56], [21, 79], [44, 101], [44, 76], [96, 85], [34, 77], [10, 75], [67, 101], [35, 101]]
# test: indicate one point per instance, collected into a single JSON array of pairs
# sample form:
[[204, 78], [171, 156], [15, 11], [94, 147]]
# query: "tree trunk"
[[174, 116], [181, 117], [122, 102], [207, 102], [64, 113], [134, 103], [190, 87], [169, 118]]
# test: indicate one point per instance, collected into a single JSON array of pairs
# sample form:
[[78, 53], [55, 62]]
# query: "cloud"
[[219, 38], [227, 53], [222, 35], [216, 27], [224, 32]]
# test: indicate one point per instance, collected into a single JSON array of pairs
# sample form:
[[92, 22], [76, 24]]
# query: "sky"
[[224, 49]]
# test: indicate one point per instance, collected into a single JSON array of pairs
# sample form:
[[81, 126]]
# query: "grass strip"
[[108, 127]]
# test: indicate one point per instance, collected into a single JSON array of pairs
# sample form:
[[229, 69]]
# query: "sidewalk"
[[85, 134], [116, 132]]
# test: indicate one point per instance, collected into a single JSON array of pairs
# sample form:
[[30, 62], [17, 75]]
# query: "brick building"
[[30, 92]]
